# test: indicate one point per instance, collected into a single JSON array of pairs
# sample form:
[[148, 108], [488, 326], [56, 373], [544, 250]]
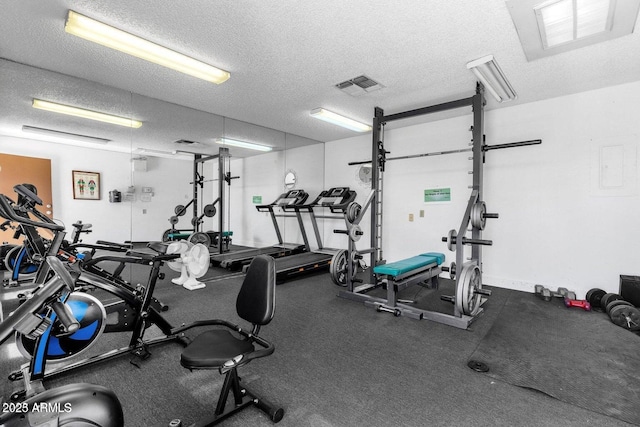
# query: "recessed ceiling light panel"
[[551, 27]]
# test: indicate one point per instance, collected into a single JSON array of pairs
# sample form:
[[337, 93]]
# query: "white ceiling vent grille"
[[359, 85]]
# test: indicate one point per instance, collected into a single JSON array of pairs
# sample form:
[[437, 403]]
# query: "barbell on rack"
[[485, 148]]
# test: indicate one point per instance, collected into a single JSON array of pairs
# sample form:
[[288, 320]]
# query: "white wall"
[[111, 221], [557, 227], [263, 176]]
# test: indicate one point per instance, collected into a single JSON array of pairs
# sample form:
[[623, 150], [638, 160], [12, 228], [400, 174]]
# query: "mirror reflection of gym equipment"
[[219, 240]]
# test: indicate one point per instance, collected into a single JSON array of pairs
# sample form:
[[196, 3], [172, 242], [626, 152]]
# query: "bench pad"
[[406, 265]]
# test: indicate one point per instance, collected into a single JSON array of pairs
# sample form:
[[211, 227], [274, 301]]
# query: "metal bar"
[[478, 165], [201, 159], [428, 110], [461, 150], [511, 145], [375, 174], [196, 175], [223, 154]]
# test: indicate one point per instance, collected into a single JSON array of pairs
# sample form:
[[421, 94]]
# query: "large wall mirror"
[[154, 167]]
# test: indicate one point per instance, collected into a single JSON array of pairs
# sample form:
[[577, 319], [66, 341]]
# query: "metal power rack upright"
[[469, 294]]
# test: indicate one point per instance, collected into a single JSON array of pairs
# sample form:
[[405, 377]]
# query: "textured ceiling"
[[284, 58]]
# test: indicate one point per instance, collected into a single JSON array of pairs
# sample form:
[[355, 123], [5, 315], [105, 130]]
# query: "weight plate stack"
[[607, 298], [626, 316], [594, 296], [615, 303]]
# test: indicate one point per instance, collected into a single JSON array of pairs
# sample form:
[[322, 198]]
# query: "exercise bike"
[[73, 404], [134, 311]]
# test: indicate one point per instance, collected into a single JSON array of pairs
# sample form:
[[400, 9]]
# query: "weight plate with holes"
[[594, 296], [338, 268], [615, 303], [180, 210], [607, 298], [626, 316], [200, 237], [477, 215], [173, 220], [210, 211], [451, 237], [452, 270], [353, 210], [469, 280], [355, 232]]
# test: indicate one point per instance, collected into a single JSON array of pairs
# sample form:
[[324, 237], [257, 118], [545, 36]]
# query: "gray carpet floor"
[[337, 363]]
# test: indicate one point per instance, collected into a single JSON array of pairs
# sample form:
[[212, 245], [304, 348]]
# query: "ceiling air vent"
[[185, 142], [359, 85]]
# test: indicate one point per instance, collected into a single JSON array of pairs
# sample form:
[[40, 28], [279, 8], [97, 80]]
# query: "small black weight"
[[594, 296], [478, 366]]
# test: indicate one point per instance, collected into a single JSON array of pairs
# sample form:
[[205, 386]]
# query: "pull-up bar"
[[461, 150]]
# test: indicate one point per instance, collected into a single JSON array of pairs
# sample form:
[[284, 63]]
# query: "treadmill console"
[[337, 197], [291, 197]]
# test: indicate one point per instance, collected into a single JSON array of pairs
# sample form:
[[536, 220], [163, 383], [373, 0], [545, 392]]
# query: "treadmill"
[[235, 260], [335, 199]]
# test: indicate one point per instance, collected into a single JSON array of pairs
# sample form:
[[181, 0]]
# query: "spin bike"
[[133, 312], [74, 404]]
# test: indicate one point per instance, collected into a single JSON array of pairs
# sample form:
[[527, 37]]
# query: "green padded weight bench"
[[401, 274]]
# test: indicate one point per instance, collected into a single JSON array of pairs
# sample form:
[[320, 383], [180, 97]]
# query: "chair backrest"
[[256, 301]]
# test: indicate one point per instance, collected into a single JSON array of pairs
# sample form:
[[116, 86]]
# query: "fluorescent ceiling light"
[[97, 32], [50, 133], [489, 73], [85, 114], [242, 144], [337, 119], [161, 153]]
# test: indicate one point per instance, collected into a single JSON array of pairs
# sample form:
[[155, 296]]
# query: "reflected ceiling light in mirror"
[[491, 76], [65, 136], [242, 144], [98, 32], [85, 114], [337, 119], [160, 153]]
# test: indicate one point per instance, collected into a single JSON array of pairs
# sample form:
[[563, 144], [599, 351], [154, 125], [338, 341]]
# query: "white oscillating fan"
[[192, 264]]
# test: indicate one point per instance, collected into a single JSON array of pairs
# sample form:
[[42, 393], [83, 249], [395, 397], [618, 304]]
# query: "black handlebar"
[[26, 312], [7, 211]]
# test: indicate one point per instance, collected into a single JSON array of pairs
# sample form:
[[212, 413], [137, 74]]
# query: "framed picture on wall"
[[86, 185]]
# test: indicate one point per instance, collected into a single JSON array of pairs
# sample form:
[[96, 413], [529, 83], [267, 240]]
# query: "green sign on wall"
[[437, 195], [257, 200]]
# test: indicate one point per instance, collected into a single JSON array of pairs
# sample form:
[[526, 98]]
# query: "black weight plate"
[[210, 211], [165, 235], [615, 303], [626, 316], [180, 210], [607, 298], [594, 296]]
